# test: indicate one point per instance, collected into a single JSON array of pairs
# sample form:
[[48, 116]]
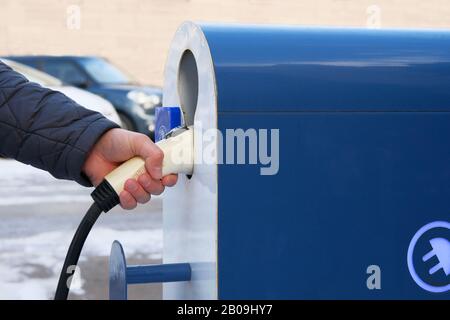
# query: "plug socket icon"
[[441, 250]]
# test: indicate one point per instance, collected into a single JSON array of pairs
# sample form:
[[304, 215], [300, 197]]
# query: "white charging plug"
[[178, 158], [178, 149]]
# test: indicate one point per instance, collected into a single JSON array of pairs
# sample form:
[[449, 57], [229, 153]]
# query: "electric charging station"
[[363, 165]]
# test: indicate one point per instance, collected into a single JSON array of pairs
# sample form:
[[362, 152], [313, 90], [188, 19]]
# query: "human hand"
[[119, 145]]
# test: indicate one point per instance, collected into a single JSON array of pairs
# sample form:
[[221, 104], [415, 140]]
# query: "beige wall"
[[135, 34]]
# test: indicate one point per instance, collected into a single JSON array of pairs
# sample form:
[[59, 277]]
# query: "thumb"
[[152, 155]]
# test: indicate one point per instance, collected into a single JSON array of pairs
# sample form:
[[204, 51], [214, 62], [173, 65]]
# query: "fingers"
[[170, 180], [133, 193], [153, 155], [156, 187], [154, 182], [153, 164], [136, 190], [151, 185], [127, 201], [140, 191]]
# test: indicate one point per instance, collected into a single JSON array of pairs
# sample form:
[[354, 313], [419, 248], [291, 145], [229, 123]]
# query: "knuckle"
[[142, 195], [147, 189], [141, 137], [158, 155]]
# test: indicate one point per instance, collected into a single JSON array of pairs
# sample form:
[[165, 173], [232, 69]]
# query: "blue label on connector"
[[167, 118]]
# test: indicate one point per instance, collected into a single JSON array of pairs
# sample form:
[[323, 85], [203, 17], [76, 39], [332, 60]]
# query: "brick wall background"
[[135, 34]]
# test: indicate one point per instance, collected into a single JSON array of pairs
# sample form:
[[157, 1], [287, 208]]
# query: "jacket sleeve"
[[46, 129]]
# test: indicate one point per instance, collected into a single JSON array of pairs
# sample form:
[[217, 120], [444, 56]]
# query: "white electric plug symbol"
[[441, 250]]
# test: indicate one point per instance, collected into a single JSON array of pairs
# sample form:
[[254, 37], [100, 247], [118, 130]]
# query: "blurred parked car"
[[135, 103], [82, 97]]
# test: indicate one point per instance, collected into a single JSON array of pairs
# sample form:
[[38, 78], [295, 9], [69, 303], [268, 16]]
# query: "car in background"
[[82, 97], [135, 103]]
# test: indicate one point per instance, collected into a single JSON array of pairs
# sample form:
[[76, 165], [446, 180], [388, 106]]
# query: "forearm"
[[46, 129]]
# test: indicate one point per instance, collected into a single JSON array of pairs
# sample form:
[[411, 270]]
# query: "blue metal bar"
[[159, 273], [121, 275]]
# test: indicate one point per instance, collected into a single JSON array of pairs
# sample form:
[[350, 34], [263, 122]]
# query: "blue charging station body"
[[364, 164]]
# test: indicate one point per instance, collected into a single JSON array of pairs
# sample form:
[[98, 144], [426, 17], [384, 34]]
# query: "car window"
[[104, 72], [65, 71], [30, 62]]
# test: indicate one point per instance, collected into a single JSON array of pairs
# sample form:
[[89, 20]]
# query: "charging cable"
[[178, 149]]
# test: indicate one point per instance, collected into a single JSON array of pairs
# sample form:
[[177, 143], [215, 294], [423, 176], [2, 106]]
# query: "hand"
[[119, 145]]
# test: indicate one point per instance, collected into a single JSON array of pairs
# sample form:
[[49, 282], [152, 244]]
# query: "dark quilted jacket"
[[46, 129]]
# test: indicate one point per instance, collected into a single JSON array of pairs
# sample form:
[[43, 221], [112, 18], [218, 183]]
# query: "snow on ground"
[[38, 217], [22, 184], [43, 255]]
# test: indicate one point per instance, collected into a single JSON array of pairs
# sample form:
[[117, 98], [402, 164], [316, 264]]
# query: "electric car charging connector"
[[178, 149]]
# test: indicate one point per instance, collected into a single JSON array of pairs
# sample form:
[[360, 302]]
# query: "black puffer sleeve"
[[46, 129]]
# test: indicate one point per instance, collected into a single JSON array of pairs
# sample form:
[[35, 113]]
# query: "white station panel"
[[190, 207]]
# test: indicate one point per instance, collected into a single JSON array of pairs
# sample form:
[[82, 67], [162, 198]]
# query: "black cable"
[[73, 254], [105, 199]]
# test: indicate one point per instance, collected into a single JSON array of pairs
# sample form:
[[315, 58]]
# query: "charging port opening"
[[188, 86]]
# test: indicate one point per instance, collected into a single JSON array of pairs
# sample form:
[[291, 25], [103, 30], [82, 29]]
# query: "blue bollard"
[[121, 275]]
